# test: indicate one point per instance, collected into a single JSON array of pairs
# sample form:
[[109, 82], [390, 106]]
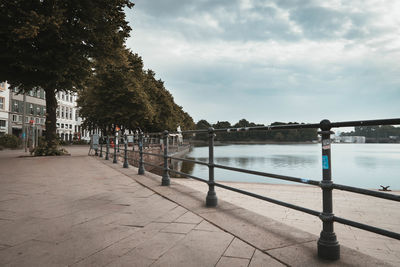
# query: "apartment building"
[[34, 104], [68, 121], [4, 107]]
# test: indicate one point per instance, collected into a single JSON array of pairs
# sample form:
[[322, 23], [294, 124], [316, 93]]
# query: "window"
[[2, 123], [42, 121], [19, 118], [70, 126], [2, 105], [37, 121], [62, 125], [26, 119], [31, 109], [70, 114], [62, 112], [66, 112], [42, 94], [58, 112], [38, 110], [62, 96], [58, 125], [15, 106], [70, 99], [14, 118]]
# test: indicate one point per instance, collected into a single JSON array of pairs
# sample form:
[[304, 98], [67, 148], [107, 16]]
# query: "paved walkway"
[[365, 209], [85, 211]]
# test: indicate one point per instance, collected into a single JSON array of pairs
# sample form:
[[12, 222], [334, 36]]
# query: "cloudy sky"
[[266, 61]]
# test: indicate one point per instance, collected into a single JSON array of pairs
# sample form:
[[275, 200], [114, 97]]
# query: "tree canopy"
[[122, 93], [298, 135], [52, 44]]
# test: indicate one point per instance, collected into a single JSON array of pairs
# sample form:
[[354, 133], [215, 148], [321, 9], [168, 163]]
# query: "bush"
[[9, 141], [43, 150]]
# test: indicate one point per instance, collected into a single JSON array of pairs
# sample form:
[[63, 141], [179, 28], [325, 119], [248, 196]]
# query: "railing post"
[[115, 150], [141, 167], [107, 148], [328, 246], [165, 181], [117, 141], [133, 142], [126, 153], [211, 200], [101, 147]]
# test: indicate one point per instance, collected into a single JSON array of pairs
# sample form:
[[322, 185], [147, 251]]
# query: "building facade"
[[4, 108], [69, 124], [68, 120], [27, 110]]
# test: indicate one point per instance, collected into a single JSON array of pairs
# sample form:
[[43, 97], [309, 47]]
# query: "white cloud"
[[225, 61]]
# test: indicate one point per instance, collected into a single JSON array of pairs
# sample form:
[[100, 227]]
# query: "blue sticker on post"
[[325, 162]]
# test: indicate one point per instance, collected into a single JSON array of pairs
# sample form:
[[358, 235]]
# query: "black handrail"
[[328, 247]]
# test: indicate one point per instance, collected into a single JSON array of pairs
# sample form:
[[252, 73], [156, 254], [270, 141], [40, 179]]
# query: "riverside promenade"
[[84, 211]]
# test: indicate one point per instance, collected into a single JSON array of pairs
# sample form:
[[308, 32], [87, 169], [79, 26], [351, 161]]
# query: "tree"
[[122, 93], [53, 44], [114, 96], [202, 124]]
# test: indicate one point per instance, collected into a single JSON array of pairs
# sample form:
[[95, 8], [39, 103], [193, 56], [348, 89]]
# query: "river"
[[360, 165]]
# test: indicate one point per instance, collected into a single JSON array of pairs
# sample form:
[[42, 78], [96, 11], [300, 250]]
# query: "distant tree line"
[[296, 135], [385, 133]]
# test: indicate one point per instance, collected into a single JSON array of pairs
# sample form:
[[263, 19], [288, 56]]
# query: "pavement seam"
[[150, 188], [295, 244], [223, 253]]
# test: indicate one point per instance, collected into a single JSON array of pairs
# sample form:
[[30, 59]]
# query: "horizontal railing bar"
[[153, 154], [189, 160], [188, 175], [395, 121], [367, 192], [271, 175], [367, 227], [278, 202], [153, 165]]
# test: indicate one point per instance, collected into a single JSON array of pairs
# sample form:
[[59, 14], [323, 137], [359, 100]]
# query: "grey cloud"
[[260, 22]]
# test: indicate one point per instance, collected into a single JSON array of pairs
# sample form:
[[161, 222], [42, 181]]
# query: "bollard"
[[101, 148], [165, 181], [328, 246], [107, 148], [211, 200], [141, 167], [126, 153], [115, 150]]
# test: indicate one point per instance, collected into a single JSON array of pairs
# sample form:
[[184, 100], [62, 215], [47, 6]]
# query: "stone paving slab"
[[85, 211]]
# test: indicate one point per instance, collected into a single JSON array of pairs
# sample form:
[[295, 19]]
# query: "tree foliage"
[[297, 135], [123, 93], [52, 44]]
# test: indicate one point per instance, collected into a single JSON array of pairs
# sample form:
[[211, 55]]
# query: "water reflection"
[[365, 166], [291, 161]]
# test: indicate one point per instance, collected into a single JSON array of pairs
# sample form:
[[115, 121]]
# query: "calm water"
[[361, 165]]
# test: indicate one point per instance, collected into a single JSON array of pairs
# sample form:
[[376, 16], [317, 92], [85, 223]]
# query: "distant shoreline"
[[205, 143]]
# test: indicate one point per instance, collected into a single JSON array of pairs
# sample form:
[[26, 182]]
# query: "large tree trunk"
[[51, 119]]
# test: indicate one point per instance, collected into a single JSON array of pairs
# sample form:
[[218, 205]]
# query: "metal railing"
[[328, 246]]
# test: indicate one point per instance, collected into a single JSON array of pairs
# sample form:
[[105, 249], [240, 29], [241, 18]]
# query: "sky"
[[267, 61]]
